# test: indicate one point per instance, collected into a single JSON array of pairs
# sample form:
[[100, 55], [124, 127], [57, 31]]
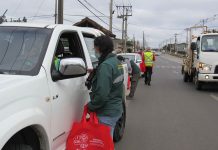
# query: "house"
[[87, 22]]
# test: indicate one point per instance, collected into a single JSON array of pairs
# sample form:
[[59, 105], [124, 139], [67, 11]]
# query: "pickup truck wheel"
[[120, 126], [17, 147], [25, 139], [185, 77]]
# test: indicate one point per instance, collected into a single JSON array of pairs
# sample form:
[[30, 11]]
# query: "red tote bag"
[[89, 135]]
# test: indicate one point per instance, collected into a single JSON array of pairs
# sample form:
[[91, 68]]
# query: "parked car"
[[137, 58], [157, 53], [39, 103]]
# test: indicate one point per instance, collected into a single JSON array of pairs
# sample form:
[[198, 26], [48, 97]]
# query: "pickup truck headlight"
[[204, 67]]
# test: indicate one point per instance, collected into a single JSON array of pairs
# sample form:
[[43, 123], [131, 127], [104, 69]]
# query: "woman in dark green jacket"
[[107, 84]]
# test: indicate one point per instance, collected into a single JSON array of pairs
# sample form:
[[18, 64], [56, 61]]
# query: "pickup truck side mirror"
[[70, 68], [193, 46]]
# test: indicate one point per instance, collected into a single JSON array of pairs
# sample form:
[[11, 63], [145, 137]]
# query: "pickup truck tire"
[[120, 126], [26, 139], [185, 77], [18, 147]]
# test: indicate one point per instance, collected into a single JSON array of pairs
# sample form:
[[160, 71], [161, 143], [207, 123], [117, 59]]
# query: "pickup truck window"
[[68, 46], [210, 43], [130, 57], [138, 57], [22, 49], [90, 46]]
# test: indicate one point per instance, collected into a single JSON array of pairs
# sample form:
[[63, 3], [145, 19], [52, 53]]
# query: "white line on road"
[[176, 72], [214, 97], [167, 67]]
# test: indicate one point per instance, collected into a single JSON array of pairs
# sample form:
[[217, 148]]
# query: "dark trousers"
[[134, 83], [148, 74]]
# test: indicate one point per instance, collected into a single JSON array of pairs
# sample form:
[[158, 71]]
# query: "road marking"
[[214, 97], [167, 67], [176, 72]]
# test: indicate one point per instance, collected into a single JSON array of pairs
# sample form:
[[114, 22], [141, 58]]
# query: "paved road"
[[171, 115]]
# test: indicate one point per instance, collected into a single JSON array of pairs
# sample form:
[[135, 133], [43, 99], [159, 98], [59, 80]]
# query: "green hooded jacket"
[[107, 88]]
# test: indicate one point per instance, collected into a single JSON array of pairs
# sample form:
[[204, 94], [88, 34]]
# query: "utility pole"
[[123, 12], [143, 42], [170, 45], [175, 46], [187, 39], [55, 15], [60, 11], [134, 47], [111, 15], [123, 21], [125, 47]]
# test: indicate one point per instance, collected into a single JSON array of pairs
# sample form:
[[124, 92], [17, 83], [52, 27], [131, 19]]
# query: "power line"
[[18, 6], [42, 2], [94, 8], [84, 16], [96, 15], [129, 3], [41, 16], [68, 20]]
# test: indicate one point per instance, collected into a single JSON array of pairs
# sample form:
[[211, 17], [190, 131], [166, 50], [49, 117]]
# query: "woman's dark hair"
[[121, 58], [105, 45]]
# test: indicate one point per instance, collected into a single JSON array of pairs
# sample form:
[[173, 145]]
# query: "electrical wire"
[[130, 3], [18, 6], [40, 16], [83, 16], [96, 15], [95, 8], [68, 20], [42, 2]]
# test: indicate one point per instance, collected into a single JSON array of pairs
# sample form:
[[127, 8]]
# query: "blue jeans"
[[109, 121]]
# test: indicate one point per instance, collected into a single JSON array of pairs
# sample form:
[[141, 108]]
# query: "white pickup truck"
[[38, 102]]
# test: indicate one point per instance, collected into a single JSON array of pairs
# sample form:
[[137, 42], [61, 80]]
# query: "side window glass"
[[198, 44], [89, 40], [138, 57], [68, 46]]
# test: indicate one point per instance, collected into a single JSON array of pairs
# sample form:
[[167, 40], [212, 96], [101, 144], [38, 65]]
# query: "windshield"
[[130, 57], [210, 43], [90, 46], [22, 49]]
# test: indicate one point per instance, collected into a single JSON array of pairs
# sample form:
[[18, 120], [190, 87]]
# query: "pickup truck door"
[[69, 95]]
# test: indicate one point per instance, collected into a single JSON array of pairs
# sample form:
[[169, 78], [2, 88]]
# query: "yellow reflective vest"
[[148, 56]]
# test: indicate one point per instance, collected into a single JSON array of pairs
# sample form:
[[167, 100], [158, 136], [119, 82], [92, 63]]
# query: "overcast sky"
[[159, 19]]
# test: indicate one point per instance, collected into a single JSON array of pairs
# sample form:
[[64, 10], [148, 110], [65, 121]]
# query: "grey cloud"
[[160, 19]]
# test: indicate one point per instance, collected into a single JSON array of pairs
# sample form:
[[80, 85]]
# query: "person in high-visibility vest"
[[149, 59]]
